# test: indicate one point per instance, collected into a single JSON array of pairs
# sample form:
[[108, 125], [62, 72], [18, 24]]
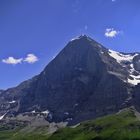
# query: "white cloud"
[[12, 60], [31, 58], [110, 32]]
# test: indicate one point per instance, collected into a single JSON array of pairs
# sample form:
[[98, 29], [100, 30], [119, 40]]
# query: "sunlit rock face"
[[84, 81]]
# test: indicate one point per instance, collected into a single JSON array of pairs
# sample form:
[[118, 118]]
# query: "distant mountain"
[[84, 81], [1, 91]]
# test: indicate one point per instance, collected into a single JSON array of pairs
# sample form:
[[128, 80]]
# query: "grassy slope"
[[122, 126]]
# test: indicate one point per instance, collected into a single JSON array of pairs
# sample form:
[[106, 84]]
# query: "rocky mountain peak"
[[84, 81], [84, 40]]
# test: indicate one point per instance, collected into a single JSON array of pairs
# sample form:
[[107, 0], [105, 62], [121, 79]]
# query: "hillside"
[[124, 125]]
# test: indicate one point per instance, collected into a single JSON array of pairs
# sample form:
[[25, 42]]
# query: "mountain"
[[84, 81]]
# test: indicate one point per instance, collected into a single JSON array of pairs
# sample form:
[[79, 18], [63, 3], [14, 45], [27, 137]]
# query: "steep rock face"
[[136, 97], [84, 81], [76, 85]]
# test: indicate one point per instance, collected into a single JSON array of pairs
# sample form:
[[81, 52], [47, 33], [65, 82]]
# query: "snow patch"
[[1, 117], [102, 52], [76, 104], [66, 113], [135, 80], [132, 68], [69, 119], [121, 57], [78, 37], [12, 102], [45, 112], [33, 111]]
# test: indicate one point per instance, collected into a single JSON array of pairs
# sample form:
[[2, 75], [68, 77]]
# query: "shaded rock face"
[[136, 97], [83, 82], [136, 62]]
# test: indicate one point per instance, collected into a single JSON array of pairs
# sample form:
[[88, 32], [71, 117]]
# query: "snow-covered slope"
[[127, 61], [122, 57]]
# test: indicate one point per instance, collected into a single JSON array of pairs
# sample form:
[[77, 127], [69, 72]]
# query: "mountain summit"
[[84, 81]]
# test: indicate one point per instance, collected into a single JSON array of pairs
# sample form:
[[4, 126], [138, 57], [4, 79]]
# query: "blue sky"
[[32, 32]]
